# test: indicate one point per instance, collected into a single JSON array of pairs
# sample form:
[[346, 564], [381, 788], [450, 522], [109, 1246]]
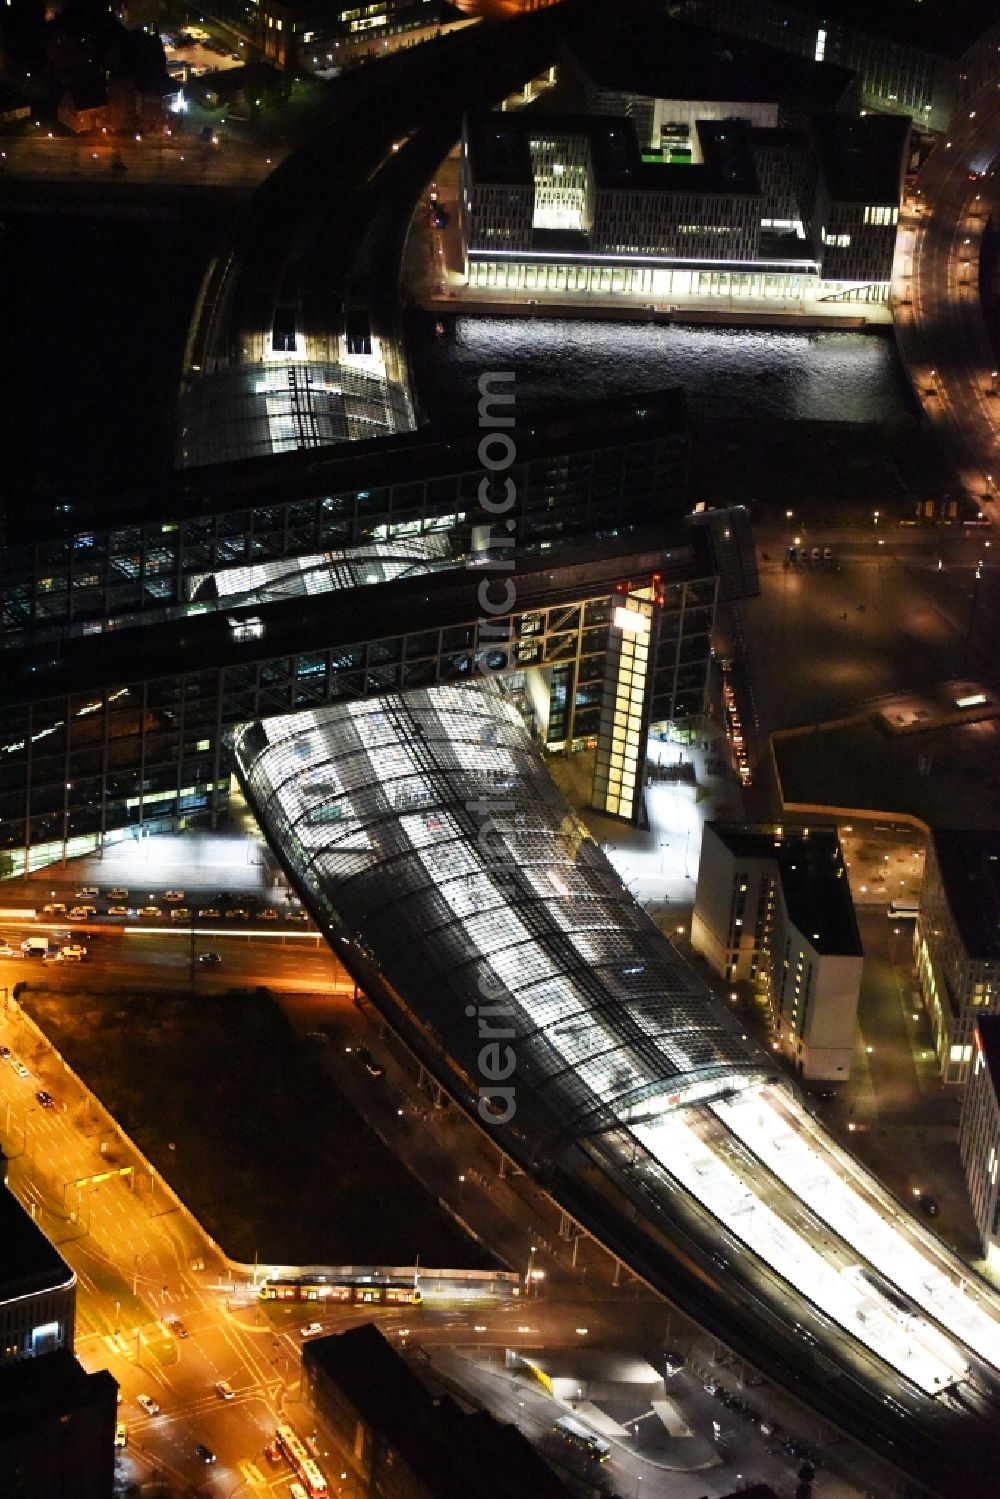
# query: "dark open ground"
[[268, 1156]]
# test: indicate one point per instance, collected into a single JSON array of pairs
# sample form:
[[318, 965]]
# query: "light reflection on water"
[[765, 373]]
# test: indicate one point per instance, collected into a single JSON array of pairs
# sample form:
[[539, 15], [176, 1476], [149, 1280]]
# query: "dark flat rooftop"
[[862, 156], [28, 1261], [947, 27], [403, 457], [647, 53], [457, 1456], [970, 872], [727, 165], [813, 879], [40, 1390]]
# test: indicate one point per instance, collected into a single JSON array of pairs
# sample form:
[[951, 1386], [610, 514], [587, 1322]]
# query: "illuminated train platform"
[[487, 927]]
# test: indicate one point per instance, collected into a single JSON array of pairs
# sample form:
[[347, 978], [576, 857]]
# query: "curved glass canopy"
[[429, 829]]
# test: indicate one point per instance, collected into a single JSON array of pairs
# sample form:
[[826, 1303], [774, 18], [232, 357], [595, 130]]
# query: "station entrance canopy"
[[432, 846]]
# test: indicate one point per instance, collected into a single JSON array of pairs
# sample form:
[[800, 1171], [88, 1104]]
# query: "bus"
[[577, 1436], [903, 910], [308, 1471], [325, 1288]]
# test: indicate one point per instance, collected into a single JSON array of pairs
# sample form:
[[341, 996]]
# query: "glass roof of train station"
[[254, 410], [429, 826]]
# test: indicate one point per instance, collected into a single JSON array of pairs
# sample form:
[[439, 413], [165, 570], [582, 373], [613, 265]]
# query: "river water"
[[769, 374]]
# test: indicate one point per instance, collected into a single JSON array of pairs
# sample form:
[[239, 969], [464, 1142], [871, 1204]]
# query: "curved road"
[[939, 320]]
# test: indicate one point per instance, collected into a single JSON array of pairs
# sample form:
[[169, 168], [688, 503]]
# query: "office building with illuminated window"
[[294, 32], [979, 1134], [575, 203], [912, 59], [139, 630], [773, 909], [862, 164], [957, 941]]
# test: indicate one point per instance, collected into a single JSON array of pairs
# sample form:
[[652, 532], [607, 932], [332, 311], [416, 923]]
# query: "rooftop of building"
[[401, 457], [970, 873], [48, 1388], [29, 1263], [456, 1455], [813, 879], [654, 56], [988, 1043], [946, 27], [862, 156], [501, 143]]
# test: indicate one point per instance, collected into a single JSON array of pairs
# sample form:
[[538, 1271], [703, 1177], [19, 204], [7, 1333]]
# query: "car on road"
[[54, 908], [118, 910], [45, 1099], [311, 1329], [373, 1068], [173, 896], [6, 951], [4, 1053], [121, 1435], [177, 1328], [205, 1453], [224, 1389], [207, 958], [828, 554], [148, 1404], [19, 1067], [268, 914], [209, 913], [80, 913], [118, 893], [816, 554], [928, 1204], [74, 953], [273, 1452], [180, 913], [299, 916], [89, 892], [238, 913], [150, 911]]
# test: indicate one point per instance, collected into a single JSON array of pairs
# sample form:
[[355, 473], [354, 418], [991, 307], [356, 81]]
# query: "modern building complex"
[[407, 1440], [979, 1133], [223, 607], [727, 206], [906, 57], [773, 909], [57, 1422], [957, 942]]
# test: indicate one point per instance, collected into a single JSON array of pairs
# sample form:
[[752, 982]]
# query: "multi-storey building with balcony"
[[979, 1134], [957, 941], [773, 909]]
